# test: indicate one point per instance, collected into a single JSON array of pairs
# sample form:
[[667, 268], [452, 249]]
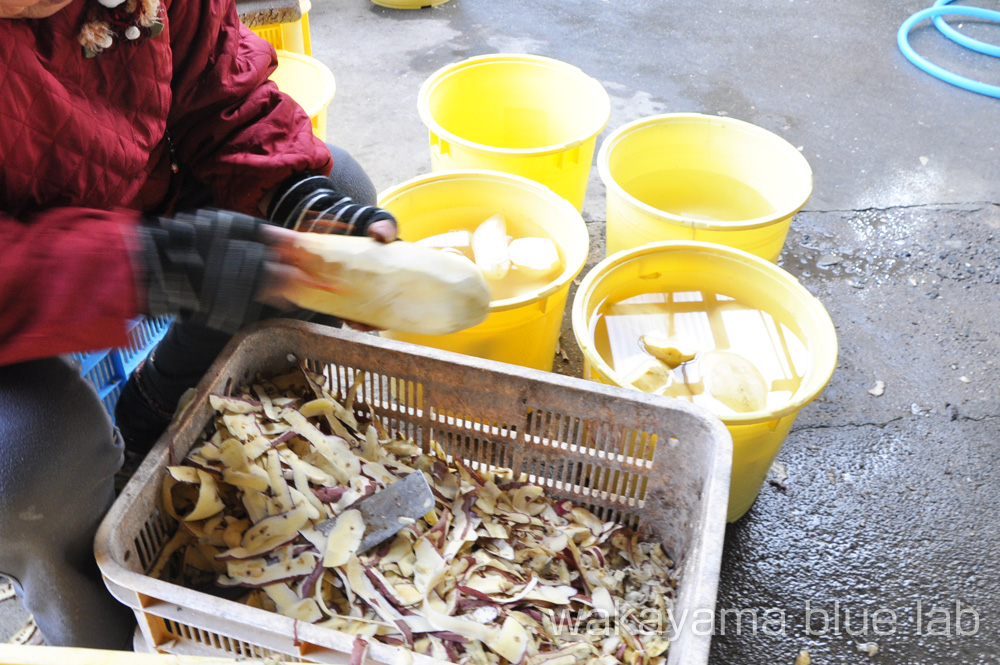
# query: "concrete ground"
[[887, 521]]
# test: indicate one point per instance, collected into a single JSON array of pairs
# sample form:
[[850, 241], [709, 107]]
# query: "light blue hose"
[[942, 9], [963, 40]]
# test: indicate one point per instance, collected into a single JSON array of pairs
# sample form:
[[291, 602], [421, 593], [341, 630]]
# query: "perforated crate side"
[[632, 458], [144, 333], [98, 368]]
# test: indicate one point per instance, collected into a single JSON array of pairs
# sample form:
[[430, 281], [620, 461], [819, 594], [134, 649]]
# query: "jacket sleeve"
[[230, 125], [62, 258]]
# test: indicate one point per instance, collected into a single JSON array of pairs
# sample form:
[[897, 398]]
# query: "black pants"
[[59, 457]]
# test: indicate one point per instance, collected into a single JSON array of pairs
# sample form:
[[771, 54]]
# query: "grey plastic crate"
[[660, 466]]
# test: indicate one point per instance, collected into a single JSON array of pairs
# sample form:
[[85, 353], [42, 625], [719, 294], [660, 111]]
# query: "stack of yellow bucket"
[[698, 206], [514, 135], [299, 75], [698, 209]]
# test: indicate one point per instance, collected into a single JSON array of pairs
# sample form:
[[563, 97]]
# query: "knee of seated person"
[[57, 439], [350, 178]]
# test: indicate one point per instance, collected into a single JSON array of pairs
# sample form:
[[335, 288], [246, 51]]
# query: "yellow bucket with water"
[[310, 83], [713, 290], [524, 114], [523, 330], [687, 176]]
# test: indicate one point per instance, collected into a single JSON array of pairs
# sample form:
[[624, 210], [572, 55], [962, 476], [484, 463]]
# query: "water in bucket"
[[735, 358], [744, 338], [697, 194]]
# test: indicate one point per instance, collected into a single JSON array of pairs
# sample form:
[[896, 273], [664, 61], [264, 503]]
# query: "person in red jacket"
[[119, 121]]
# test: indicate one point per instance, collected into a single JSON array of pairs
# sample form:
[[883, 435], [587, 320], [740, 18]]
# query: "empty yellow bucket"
[[728, 286], [309, 82], [522, 330], [522, 114], [687, 176]]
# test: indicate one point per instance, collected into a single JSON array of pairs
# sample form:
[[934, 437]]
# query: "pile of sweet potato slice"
[[496, 572]]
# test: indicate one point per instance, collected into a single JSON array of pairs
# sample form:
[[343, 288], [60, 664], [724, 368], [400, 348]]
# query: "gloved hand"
[[311, 204], [216, 267]]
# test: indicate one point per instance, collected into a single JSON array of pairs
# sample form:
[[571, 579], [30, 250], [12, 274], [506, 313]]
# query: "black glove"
[[207, 265], [310, 203]]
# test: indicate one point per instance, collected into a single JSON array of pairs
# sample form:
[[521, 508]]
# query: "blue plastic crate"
[[109, 369]]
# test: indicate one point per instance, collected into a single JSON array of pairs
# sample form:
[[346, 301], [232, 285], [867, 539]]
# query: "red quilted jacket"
[[83, 151]]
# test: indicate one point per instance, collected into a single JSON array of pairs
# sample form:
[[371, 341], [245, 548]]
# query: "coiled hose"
[[940, 9]]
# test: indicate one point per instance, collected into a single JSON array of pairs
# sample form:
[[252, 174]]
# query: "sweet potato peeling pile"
[[496, 573]]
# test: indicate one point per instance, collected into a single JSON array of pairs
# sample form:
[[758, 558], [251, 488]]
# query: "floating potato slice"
[[448, 240], [489, 247], [344, 539], [535, 257], [456, 252], [650, 377], [671, 351], [734, 381]]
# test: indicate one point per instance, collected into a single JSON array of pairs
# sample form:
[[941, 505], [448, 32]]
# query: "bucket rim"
[[571, 269], [429, 84], [819, 374], [615, 137], [404, 4], [329, 81]]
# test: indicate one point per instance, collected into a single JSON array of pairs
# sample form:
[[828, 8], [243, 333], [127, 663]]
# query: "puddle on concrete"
[[876, 248]]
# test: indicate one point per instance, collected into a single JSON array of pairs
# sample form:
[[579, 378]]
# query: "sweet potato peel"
[[496, 573]]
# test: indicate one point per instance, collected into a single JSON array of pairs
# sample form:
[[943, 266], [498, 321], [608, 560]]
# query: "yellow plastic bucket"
[[523, 330], [409, 4], [700, 270], [291, 36], [309, 82], [687, 176], [524, 114]]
